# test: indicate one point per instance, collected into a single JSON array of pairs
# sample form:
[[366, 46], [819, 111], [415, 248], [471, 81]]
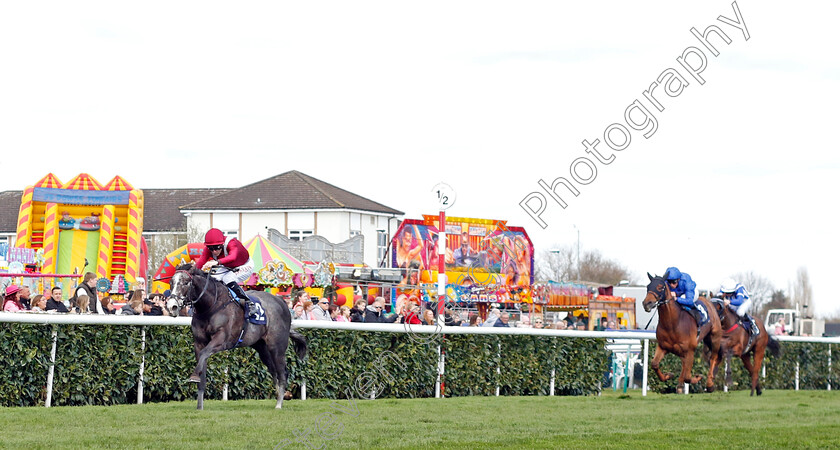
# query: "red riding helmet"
[[214, 237]]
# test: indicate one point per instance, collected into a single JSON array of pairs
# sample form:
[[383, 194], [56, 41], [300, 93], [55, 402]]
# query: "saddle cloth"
[[259, 317]]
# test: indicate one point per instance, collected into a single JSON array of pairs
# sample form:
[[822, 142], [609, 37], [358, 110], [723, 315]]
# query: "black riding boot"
[[752, 327], [700, 314], [237, 289]]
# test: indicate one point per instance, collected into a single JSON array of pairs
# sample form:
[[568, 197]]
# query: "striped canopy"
[[118, 184], [83, 182], [49, 181], [262, 251]]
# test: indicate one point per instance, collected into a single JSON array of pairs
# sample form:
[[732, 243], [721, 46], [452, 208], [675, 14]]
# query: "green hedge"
[[781, 370], [99, 365]]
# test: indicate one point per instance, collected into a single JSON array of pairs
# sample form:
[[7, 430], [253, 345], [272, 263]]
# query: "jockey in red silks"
[[232, 255]]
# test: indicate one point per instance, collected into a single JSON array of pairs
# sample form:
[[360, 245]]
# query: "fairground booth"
[[486, 262]]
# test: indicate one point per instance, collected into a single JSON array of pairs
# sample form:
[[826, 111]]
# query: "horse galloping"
[[218, 321], [677, 333], [736, 340]]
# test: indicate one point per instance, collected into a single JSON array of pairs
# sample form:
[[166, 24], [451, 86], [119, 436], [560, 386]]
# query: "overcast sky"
[[386, 99]]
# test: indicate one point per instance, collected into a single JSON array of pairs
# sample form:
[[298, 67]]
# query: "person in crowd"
[[230, 254], [560, 325], [321, 311], [308, 308], [401, 305], [88, 288], [580, 325], [492, 317], [412, 315], [475, 320], [23, 297], [602, 324], [107, 305], [538, 323], [524, 322], [39, 303], [611, 325], [82, 305], [357, 313], [288, 300], [134, 307], [428, 317], [11, 303], [683, 290], [450, 318], [504, 318], [735, 296], [153, 306], [298, 312], [55, 303], [342, 314], [779, 328], [375, 313]]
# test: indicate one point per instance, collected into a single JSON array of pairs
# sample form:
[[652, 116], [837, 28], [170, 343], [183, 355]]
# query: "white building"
[[298, 206]]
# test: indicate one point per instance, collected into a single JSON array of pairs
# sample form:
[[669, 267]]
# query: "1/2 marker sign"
[[445, 195]]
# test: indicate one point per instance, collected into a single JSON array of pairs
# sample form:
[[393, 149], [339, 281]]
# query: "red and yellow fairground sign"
[[479, 252]]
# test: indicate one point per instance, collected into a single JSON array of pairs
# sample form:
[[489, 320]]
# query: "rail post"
[[51, 372]]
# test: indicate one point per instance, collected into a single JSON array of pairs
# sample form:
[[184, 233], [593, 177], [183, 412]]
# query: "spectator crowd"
[[405, 309], [84, 300]]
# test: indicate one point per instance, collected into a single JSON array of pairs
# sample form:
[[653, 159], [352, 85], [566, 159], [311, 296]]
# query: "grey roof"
[[9, 210], [290, 190]]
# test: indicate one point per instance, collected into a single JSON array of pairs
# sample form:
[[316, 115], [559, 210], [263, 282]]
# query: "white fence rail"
[[105, 320]]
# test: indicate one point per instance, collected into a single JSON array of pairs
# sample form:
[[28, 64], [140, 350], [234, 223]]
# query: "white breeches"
[[741, 310], [238, 274]]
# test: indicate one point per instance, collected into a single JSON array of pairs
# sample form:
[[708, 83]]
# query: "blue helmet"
[[673, 274]]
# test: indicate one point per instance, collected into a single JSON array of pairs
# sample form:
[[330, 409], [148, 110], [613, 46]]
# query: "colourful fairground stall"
[[486, 261]]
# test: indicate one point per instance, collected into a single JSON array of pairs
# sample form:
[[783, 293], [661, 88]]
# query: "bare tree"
[[759, 288], [778, 300], [802, 293], [561, 265], [557, 265], [597, 268]]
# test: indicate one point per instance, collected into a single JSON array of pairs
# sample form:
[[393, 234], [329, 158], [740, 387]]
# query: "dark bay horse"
[[677, 333], [736, 340], [217, 324]]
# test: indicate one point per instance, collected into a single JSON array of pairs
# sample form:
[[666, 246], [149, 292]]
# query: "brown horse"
[[677, 333], [736, 340]]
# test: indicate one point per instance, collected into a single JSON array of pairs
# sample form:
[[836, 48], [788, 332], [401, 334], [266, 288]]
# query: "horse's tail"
[[773, 345], [299, 342]]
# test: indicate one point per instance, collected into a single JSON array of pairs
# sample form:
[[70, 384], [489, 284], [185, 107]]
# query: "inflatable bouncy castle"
[[82, 226]]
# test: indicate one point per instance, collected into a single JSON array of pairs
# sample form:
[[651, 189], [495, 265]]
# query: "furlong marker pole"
[[441, 297]]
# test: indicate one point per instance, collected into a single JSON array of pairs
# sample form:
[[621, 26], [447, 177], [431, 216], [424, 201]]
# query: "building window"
[[298, 235], [381, 246], [354, 233]]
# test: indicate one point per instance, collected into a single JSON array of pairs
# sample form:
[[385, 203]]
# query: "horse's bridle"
[[188, 299]]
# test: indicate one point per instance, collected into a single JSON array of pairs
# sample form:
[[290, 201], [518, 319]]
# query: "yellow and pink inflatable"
[[83, 221]]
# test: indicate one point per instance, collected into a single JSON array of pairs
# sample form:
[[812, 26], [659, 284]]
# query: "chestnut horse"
[[736, 340], [677, 333]]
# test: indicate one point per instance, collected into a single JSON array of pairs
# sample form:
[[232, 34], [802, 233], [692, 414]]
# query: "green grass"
[[778, 419]]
